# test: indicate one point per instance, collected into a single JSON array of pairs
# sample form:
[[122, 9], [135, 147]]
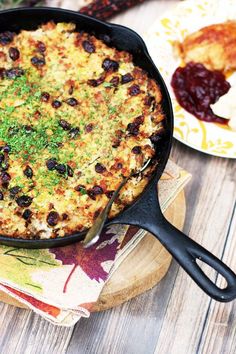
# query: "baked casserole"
[[76, 116]]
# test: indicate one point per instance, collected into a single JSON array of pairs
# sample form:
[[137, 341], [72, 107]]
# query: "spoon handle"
[[94, 232]]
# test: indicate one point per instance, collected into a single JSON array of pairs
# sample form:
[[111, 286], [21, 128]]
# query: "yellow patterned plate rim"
[[185, 18]]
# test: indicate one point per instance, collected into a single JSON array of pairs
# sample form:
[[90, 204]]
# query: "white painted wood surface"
[[174, 317]]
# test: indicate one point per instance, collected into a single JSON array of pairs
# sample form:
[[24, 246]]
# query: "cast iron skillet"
[[145, 212]]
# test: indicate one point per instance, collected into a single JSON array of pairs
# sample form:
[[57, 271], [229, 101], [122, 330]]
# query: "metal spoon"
[[94, 232]]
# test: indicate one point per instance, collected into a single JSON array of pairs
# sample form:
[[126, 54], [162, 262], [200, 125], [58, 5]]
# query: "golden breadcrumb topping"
[[76, 116]]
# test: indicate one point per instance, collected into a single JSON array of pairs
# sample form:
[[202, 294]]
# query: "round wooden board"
[[143, 268]]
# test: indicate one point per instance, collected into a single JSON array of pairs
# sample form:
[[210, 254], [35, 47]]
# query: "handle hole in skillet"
[[212, 274]]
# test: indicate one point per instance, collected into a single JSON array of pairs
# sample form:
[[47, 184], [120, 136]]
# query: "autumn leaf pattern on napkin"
[[87, 258], [62, 284]]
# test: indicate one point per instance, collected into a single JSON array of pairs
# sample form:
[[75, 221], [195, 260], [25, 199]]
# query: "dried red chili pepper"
[[104, 9]]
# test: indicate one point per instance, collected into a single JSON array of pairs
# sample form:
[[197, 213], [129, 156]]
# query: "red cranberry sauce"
[[196, 88]]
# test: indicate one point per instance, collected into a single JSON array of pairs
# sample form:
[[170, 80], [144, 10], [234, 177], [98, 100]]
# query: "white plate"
[[188, 17]]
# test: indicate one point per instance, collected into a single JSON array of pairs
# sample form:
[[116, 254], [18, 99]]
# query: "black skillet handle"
[[186, 251], [147, 214]]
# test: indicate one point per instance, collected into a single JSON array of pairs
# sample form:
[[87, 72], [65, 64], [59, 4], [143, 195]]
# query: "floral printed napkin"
[[61, 284]]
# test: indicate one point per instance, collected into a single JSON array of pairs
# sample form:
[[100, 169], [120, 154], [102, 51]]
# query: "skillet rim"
[[167, 108]]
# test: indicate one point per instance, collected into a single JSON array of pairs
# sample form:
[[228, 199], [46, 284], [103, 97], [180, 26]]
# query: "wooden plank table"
[[176, 316]]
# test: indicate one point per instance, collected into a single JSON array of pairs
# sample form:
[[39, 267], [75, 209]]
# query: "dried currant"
[[28, 172], [41, 47], [56, 104], [45, 96], [100, 168], [14, 73], [97, 190], [80, 188], [88, 46], [27, 214], [89, 128], [53, 218], [136, 150], [24, 201], [110, 65], [64, 124], [51, 164], [115, 81], [14, 191], [14, 53], [70, 171], [5, 178], [6, 37], [126, 78], [38, 62], [133, 128], [134, 90], [61, 168], [72, 101], [74, 132], [109, 194]]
